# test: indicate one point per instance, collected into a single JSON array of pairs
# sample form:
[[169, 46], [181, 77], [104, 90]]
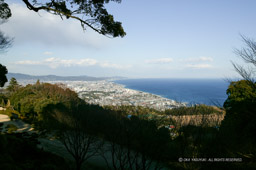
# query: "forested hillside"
[[137, 137]]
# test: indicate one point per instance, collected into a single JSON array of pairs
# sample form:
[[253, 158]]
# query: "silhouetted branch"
[[248, 54], [5, 42], [97, 16]]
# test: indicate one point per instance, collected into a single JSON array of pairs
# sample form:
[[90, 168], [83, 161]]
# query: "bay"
[[191, 91]]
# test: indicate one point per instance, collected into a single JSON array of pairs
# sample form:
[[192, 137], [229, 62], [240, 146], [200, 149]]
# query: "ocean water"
[[191, 91]]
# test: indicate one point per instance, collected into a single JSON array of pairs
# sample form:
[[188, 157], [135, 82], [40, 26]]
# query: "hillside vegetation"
[[129, 137]]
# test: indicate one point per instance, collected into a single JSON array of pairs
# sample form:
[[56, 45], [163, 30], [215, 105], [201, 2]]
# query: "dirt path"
[[4, 118], [22, 127]]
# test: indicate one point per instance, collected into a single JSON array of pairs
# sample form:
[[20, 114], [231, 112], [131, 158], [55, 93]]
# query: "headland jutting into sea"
[[105, 93]]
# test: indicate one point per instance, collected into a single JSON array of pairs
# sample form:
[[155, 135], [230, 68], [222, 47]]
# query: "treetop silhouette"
[[90, 13]]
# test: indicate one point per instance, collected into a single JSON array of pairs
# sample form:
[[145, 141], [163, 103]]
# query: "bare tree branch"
[[76, 139], [248, 55]]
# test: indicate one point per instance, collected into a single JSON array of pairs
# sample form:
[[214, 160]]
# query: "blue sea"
[[191, 91]]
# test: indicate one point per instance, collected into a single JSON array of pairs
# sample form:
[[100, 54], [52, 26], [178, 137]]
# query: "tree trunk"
[[78, 164]]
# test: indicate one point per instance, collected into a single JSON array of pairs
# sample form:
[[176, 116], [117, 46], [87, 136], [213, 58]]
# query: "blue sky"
[[165, 39]]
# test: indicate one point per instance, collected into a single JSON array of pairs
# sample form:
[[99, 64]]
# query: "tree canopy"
[[5, 41], [31, 100], [13, 85], [5, 13], [90, 13], [240, 92], [3, 72], [237, 131]]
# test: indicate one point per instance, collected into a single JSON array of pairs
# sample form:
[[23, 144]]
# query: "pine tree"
[[13, 85]]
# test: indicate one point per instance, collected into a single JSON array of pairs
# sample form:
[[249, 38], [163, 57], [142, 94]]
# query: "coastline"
[[210, 92], [124, 86], [111, 93], [105, 93]]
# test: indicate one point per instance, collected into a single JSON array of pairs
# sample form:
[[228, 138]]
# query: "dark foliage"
[[3, 72], [194, 110], [137, 141], [238, 128], [19, 151], [5, 42], [5, 11]]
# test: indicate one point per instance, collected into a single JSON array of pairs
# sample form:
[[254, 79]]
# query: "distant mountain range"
[[19, 76]]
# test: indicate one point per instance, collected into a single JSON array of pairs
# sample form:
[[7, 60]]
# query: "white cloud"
[[50, 59], [199, 66], [28, 62], [206, 59], [48, 53], [159, 61], [48, 29], [199, 59], [116, 66], [87, 61], [57, 62]]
